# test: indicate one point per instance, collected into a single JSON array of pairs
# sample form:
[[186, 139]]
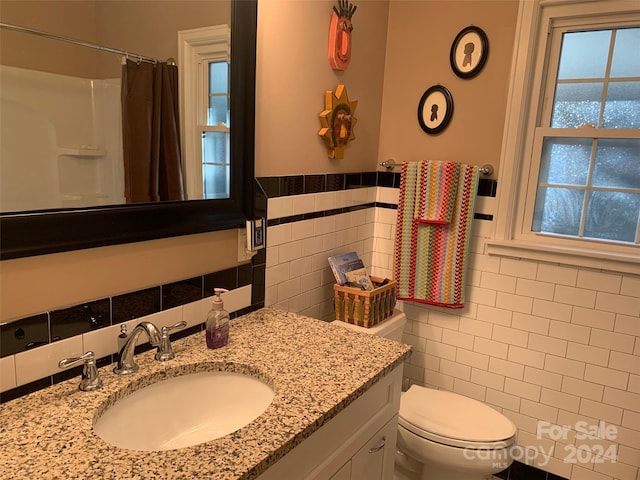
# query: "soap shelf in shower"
[[82, 151]]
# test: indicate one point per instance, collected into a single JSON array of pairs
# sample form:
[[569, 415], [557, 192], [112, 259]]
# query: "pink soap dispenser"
[[217, 322]]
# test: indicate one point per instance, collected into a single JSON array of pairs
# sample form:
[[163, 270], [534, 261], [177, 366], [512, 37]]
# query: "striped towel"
[[436, 191], [435, 211]]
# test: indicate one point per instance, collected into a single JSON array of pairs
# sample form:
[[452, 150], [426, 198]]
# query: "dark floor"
[[520, 471]]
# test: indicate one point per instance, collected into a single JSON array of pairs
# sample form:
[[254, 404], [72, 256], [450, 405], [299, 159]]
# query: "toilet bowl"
[[446, 436], [443, 435]]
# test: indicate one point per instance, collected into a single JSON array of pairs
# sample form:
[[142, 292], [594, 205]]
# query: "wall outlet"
[[256, 230]]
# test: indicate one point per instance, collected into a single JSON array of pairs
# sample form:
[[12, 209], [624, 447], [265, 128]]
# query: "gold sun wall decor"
[[338, 121]]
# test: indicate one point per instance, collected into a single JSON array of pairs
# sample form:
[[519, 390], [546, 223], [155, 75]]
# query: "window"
[[575, 149]]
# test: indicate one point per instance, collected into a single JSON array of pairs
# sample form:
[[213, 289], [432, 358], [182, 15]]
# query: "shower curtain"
[[151, 132]]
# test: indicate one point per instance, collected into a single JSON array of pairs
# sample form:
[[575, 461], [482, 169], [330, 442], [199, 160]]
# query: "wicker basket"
[[365, 308]]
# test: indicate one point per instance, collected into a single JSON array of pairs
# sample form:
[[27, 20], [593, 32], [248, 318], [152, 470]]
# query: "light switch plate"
[[244, 254]]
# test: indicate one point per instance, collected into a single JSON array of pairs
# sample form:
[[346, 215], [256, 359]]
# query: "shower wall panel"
[[60, 141]]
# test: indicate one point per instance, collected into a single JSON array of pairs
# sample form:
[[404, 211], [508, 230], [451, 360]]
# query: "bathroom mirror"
[[29, 233]]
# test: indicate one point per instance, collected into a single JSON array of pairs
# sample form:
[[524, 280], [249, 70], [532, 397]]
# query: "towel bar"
[[486, 169], [390, 164]]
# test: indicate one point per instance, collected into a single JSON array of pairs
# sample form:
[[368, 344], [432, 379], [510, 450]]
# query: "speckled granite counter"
[[316, 369]]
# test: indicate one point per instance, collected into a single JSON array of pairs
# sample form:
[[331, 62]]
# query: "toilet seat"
[[470, 423]]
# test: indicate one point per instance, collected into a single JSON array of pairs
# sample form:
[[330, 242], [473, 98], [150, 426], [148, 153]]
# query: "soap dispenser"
[[217, 322]]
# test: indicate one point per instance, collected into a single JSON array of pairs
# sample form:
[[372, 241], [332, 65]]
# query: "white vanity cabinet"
[[357, 444], [374, 461]]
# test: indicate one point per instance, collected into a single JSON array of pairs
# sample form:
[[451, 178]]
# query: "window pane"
[[214, 147], [218, 77], [576, 104], [626, 55], [617, 164], [215, 168], [218, 111], [584, 54], [565, 161], [216, 181], [612, 215], [622, 107], [558, 210]]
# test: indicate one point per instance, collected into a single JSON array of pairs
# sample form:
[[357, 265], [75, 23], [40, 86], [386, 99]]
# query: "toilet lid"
[[452, 419]]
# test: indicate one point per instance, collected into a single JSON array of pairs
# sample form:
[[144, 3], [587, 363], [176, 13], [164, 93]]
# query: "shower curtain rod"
[[133, 56]]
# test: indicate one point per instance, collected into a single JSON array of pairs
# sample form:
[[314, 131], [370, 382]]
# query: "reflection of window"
[[578, 137], [215, 133], [204, 63]]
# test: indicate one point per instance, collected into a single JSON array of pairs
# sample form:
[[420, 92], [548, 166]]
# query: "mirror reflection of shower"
[[61, 129], [61, 143]]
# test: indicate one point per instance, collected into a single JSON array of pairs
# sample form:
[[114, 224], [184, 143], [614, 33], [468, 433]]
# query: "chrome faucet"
[[90, 379], [165, 350], [126, 364]]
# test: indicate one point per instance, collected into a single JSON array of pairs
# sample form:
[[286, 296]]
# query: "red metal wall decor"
[[340, 35]]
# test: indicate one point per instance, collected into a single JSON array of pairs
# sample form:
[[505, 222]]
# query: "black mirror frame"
[[52, 231]]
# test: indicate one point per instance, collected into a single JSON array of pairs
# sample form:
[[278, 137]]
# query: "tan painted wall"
[[37, 284], [419, 41], [64, 17], [135, 25], [294, 74], [291, 84], [147, 27]]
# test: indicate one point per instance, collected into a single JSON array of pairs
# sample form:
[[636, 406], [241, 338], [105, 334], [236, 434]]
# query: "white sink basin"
[[183, 411]]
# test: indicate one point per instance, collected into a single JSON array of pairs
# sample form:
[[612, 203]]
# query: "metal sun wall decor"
[[340, 35], [338, 121]]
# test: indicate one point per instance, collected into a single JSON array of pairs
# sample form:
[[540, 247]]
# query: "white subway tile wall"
[[555, 348]]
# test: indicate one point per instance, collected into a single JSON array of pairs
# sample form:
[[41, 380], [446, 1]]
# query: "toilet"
[[443, 435]]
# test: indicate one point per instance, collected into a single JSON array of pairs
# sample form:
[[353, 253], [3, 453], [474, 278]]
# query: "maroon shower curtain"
[[151, 132]]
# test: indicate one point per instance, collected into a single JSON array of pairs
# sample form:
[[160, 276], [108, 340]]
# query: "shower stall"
[[60, 139]]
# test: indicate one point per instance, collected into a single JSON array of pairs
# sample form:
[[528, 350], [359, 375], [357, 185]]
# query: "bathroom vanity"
[[333, 414]]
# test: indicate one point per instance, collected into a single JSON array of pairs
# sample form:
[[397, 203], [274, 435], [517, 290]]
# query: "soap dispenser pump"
[[217, 322]]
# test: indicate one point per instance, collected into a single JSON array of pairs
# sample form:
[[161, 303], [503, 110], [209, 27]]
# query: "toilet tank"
[[390, 328]]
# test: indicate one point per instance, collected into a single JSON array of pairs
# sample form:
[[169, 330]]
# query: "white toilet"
[[444, 435]]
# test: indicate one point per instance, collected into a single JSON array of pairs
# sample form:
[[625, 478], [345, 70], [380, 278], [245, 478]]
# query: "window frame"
[[512, 235]]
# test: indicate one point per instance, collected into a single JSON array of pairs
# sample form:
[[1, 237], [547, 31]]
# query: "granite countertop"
[[316, 369]]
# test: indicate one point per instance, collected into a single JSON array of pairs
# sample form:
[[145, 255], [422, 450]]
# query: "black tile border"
[[182, 292], [283, 186], [44, 328], [324, 213], [27, 333], [35, 331], [137, 304], [274, 187], [72, 321]]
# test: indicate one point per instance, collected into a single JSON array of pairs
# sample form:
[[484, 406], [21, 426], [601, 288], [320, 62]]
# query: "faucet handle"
[[165, 350], [90, 379]]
